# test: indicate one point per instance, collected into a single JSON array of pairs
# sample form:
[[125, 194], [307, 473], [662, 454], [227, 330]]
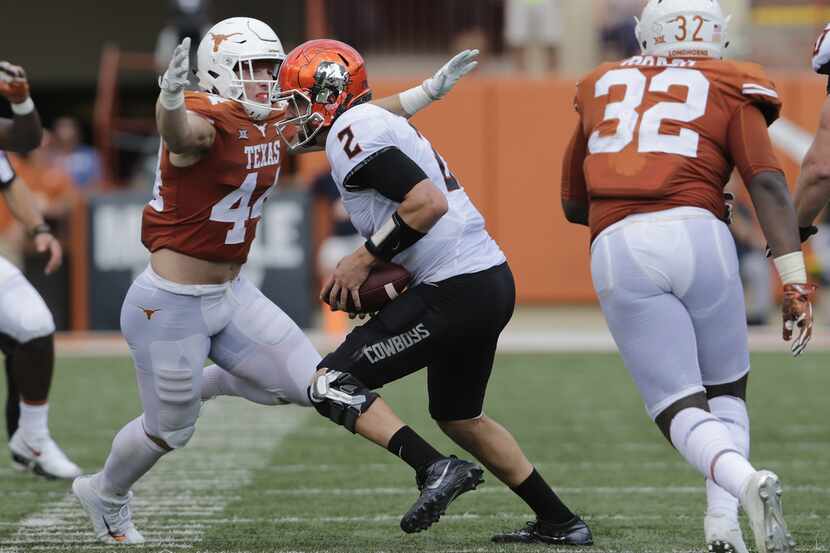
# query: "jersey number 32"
[[625, 111]]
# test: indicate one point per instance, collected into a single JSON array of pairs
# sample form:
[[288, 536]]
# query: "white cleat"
[[43, 457], [723, 534], [111, 517], [761, 500]]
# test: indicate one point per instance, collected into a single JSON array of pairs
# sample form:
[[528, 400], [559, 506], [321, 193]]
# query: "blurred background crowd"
[[93, 72]]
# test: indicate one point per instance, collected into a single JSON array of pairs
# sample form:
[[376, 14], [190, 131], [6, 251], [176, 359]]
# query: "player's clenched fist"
[[13, 83], [797, 308]]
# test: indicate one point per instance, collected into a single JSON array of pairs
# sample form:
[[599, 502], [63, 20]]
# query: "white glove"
[[174, 80], [436, 87], [442, 82]]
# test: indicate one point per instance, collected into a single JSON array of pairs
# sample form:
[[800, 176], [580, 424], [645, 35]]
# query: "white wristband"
[[171, 100], [25, 107], [414, 100], [791, 268]]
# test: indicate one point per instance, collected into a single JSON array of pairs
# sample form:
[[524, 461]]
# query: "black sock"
[[413, 449], [542, 499]]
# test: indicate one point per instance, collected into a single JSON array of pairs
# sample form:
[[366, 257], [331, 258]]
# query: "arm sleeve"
[[388, 170], [749, 143], [7, 174], [573, 177]]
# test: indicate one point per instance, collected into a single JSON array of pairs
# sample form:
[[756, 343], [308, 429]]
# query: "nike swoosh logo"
[[113, 535], [440, 478]]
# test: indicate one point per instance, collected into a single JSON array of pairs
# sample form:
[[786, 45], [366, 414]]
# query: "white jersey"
[[457, 244]]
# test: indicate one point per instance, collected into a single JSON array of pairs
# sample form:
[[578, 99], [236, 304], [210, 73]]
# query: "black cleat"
[[573, 532], [440, 483]]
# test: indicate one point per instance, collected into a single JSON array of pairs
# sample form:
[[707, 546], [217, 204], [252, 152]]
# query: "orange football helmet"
[[319, 80]]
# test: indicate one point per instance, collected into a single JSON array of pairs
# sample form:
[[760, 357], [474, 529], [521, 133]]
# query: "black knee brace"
[[736, 389], [340, 397]]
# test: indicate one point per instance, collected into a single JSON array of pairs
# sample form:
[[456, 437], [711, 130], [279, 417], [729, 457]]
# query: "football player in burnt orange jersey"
[[219, 161], [657, 139], [26, 324]]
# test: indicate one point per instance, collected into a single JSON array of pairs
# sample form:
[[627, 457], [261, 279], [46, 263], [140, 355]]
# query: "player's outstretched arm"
[[24, 132], [183, 132], [813, 191], [410, 102], [23, 207]]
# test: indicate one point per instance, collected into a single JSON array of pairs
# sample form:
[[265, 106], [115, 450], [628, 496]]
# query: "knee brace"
[[340, 397], [736, 389]]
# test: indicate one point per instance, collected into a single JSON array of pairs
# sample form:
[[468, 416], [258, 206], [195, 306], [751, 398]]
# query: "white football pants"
[[172, 329], [23, 313], [669, 287]]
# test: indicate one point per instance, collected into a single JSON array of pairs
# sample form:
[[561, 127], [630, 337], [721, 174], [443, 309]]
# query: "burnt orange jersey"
[[659, 133], [210, 210]]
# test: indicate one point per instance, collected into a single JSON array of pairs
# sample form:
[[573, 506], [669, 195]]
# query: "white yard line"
[[233, 432]]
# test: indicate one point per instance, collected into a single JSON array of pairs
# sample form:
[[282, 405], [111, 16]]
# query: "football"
[[385, 282]]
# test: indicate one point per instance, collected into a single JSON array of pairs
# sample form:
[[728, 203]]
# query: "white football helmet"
[[682, 28], [225, 61]]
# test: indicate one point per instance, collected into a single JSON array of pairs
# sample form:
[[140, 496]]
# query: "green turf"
[[577, 416]]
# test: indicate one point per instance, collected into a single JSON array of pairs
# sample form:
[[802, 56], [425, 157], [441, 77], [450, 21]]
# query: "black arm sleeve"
[[389, 171], [7, 175]]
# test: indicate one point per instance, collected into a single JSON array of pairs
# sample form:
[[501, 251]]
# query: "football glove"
[[442, 82], [13, 83], [797, 309], [174, 80]]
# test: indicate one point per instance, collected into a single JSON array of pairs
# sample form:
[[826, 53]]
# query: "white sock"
[[704, 441], [216, 381], [732, 412], [34, 422], [133, 453]]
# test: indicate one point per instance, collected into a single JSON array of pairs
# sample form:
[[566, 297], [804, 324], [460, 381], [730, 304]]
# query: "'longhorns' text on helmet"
[[682, 28], [319, 80], [226, 57]]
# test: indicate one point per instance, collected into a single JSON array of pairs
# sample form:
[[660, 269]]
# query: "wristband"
[[25, 107], [42, 228], [392, 238], [791, 268], [171, 100], [415, 99]]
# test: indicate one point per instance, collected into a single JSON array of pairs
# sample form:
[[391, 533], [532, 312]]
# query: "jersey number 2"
[[625, 111]]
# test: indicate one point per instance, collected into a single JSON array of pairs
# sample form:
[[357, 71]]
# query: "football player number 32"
[[625, 111]]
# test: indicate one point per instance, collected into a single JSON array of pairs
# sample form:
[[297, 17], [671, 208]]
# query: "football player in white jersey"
[[219, 160], [402, 197], [813, 193], [26, 325]]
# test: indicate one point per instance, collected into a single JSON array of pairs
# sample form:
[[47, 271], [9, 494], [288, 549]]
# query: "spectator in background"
[[80, 161], [754, 265], [341, 240], [533, 31], [615, 19], [188, 18]]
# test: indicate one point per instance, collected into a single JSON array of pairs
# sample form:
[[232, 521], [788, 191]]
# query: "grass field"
[[283, 479]]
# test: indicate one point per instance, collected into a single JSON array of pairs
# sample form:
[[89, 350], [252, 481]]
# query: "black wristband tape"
[[392, 238], [42, 228]]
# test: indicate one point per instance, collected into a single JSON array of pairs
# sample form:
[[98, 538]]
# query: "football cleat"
[[723, 534], [573, 532], [761, 501], [43, 457], [440, 483], [111, 517]]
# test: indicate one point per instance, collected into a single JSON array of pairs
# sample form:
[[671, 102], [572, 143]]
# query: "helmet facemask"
[[300, 125], [242, 73]]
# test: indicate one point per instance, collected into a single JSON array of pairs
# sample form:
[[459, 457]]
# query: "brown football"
[[385, 282]]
